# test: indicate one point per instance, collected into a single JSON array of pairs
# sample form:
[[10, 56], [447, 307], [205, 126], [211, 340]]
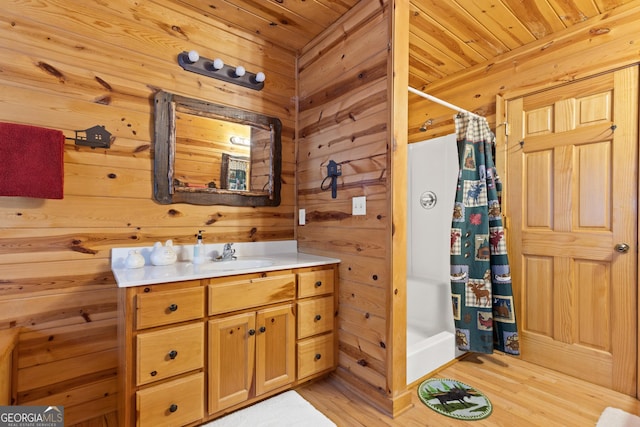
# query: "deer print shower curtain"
[[482, 297]]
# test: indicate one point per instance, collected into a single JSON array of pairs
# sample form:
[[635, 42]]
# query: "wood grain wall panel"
[[344, 116], [38, 376], [350, 23], [70, 65], [75, 396], [363, 241], [364, 297], [364, 270], [53, 310], [363, 103], [42, 346], [102, 211]]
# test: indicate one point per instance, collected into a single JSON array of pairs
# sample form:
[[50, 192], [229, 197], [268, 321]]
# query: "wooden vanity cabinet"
[[192, 351]]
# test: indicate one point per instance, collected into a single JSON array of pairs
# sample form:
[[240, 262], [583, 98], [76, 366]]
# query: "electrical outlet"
[[301, 217], [359, 205]]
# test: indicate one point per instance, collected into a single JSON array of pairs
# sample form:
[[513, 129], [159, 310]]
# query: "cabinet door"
[[275, 348], [231, 360]]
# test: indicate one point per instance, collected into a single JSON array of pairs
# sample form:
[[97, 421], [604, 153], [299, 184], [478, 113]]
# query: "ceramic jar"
[[163, 255], [134, 259]]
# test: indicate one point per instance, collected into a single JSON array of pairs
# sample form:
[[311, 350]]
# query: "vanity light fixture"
[[238, 140], [192, 61]]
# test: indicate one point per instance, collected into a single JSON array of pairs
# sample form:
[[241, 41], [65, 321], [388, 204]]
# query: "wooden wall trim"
[[397, 360]]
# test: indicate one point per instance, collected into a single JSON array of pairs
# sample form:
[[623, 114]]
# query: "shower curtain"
[[482, 297]]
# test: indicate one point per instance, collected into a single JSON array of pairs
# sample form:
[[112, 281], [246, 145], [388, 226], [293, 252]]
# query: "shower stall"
[[432, 178]]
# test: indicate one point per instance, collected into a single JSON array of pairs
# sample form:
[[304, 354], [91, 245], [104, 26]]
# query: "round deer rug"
[[454, 399]]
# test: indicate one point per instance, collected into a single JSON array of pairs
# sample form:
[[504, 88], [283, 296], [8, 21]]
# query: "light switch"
[[359, 205], [301, 217]]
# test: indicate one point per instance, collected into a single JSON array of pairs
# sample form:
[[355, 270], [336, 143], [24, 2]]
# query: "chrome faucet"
[[227, 252]]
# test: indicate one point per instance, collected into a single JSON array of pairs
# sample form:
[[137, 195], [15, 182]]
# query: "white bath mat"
[[288, 409], [613, 417]]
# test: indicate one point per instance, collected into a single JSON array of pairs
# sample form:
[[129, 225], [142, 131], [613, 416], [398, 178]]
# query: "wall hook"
[[334, 170], [95, 137], [426, 125]]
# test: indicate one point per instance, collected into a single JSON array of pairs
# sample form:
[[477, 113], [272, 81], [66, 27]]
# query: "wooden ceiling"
[[290, 24], [446, 36], [449, 36]]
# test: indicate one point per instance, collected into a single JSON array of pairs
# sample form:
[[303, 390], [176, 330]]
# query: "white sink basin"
[[236, 264]]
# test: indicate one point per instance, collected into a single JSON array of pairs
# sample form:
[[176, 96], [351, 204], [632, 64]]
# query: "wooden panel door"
[[275, 348], [231, 360], [571, 200]]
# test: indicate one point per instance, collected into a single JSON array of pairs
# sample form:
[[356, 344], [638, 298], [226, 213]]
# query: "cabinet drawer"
[[315, 355], [173, 403], [165, 307], [315, 316], [315, 283], [162, 354], [248, 293]]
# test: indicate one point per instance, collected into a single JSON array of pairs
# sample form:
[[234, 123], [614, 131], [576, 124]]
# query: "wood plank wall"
[[72, 64], [345, 111]]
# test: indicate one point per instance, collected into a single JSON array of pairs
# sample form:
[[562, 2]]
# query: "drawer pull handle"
[[154, 373], [318, 356], [173, 307], [173, 354], [262, 329], [318, 283], [173, 407], [252, 332], [318, 318]]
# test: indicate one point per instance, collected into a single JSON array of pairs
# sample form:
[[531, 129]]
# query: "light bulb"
[[218, 64], [260, 77], [193, 56], [240, 71]]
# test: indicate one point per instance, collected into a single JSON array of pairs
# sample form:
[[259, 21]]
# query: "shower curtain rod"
[[441, 102]]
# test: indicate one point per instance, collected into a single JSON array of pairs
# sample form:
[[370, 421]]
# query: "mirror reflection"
[[211, 154]]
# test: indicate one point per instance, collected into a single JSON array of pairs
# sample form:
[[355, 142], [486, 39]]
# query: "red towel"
[[31, 161]]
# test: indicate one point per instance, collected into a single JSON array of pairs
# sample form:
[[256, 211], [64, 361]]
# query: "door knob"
[[622, 248]]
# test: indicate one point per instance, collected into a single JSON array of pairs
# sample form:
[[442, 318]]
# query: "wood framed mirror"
[[209, 154]]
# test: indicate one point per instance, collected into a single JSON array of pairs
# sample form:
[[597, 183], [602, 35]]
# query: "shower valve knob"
[[428, 199]]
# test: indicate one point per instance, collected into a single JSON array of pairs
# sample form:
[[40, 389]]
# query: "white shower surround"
[[432, 166]]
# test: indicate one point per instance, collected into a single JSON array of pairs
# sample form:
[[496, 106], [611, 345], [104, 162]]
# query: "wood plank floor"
[[522, 394]]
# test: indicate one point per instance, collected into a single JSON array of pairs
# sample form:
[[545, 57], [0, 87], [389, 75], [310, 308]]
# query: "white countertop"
[[282, 254]]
